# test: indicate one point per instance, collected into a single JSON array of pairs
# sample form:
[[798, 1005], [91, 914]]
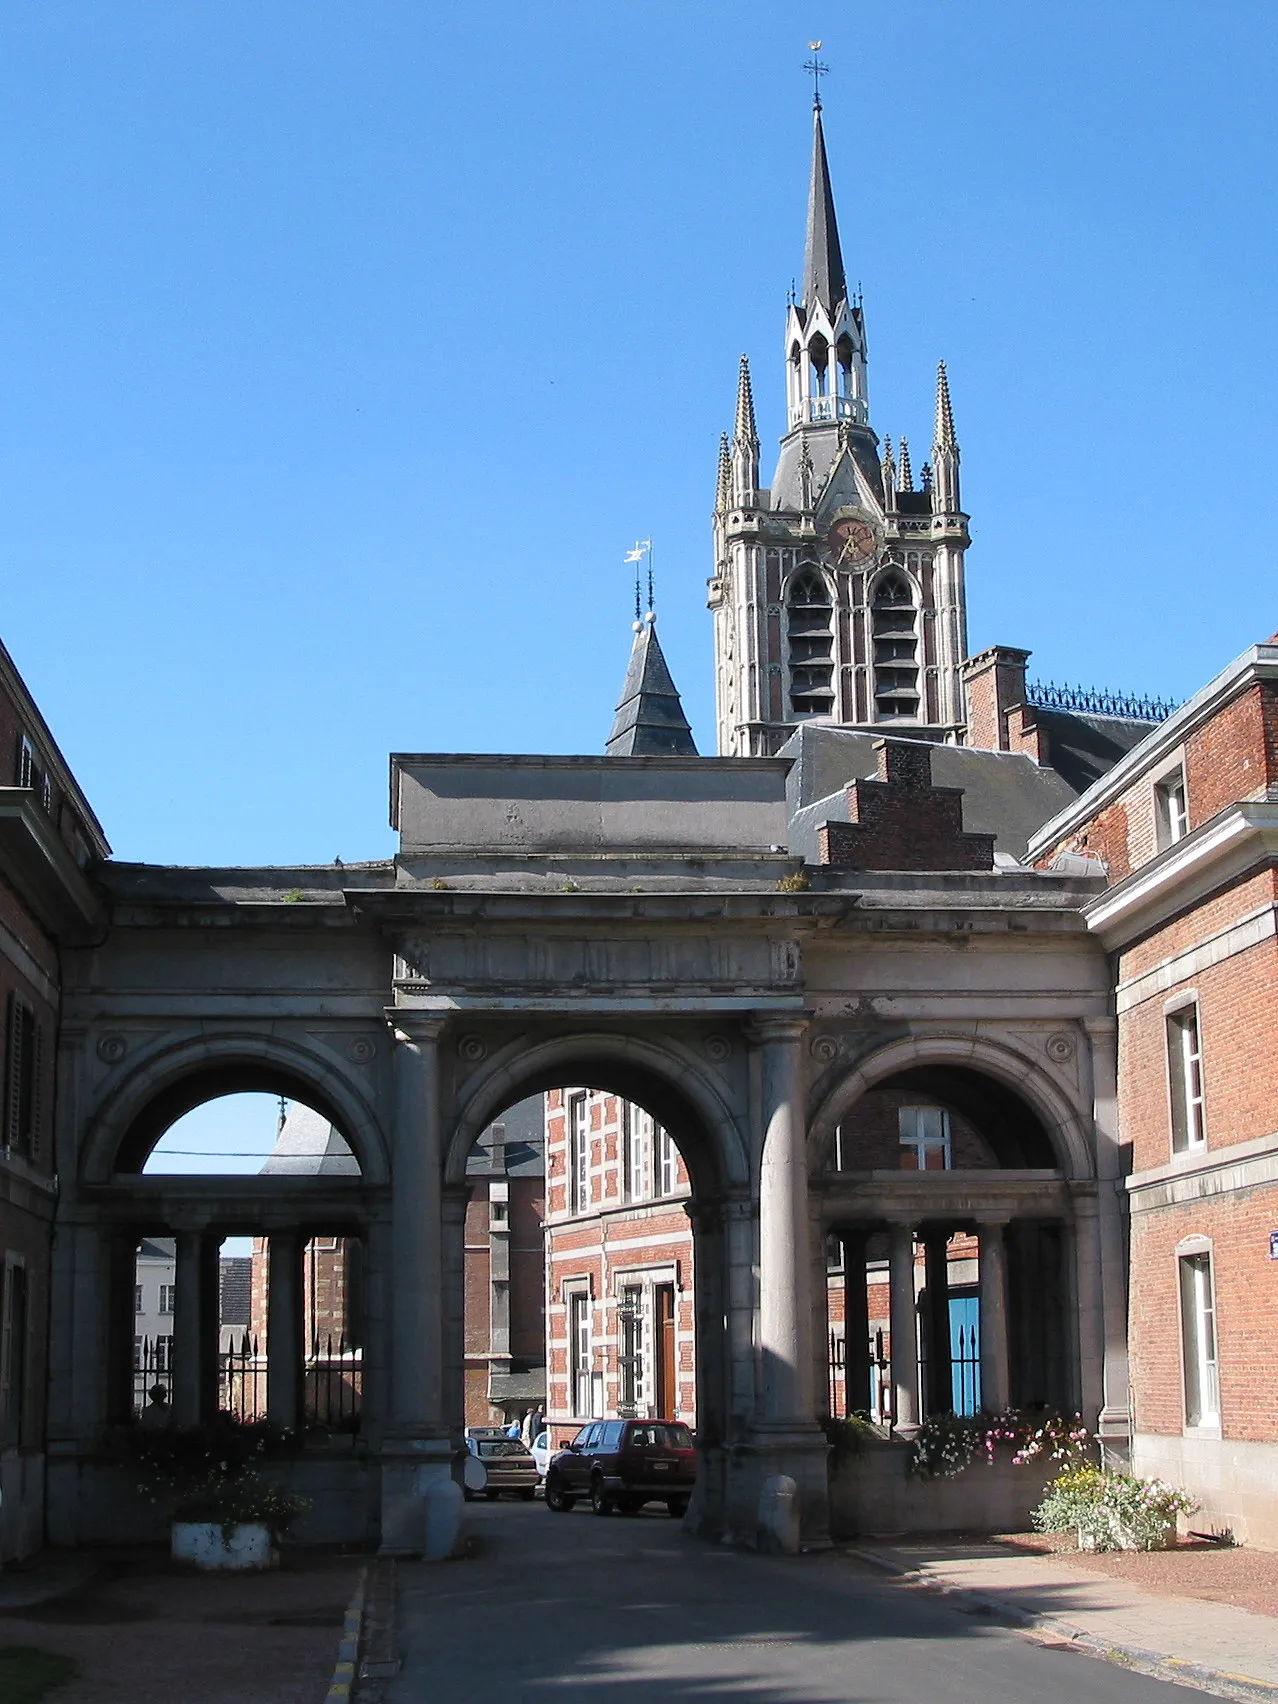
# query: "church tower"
[[838, 590]]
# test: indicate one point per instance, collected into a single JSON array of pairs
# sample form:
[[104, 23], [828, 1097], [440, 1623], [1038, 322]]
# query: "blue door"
[[965, 1353]]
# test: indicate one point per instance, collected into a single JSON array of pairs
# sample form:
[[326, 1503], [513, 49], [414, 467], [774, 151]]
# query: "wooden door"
[[664, 1330]]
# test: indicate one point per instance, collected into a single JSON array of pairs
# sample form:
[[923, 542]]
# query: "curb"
[[1155, 1663], [343, 1680]]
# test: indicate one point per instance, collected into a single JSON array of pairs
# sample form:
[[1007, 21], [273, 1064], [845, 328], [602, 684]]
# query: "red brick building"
[[49, 840], [1185, 830]]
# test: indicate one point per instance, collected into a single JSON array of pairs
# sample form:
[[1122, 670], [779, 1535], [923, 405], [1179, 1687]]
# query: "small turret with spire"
[[905, 473], [745, 443], [723, 485], [945, 452]]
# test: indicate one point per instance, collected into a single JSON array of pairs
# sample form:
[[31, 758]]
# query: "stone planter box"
[[209, 1545], [875, 1494]]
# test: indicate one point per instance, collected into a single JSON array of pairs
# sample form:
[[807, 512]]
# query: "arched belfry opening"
[[950, 1228]]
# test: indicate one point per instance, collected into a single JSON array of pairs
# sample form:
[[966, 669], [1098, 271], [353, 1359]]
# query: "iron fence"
[[332, 1379]]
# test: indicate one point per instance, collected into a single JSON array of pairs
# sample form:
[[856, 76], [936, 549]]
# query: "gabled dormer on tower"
[[838, 591]]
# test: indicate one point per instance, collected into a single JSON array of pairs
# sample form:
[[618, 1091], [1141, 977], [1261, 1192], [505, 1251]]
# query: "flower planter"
[[212, 1545]]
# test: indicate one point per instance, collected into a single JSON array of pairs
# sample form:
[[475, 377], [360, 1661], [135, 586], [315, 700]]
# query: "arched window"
[[894, 629], [810, 633]]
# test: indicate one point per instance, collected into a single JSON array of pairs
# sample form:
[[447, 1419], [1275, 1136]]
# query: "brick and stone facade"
[[1187, 829]]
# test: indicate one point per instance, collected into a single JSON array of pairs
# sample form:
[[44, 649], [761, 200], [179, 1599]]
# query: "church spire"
[[945, 451], [745, 442], [650, 721], [905, 481], [823, 279]]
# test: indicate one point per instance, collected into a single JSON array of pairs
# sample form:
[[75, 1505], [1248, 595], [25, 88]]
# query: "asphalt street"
[[629, 1610]]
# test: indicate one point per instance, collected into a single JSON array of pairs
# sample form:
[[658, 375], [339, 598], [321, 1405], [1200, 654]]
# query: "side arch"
[[122, 1130], [1065, 1121], [665, 1079]]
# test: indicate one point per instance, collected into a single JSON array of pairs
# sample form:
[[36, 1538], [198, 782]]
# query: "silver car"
[[509, 1465]]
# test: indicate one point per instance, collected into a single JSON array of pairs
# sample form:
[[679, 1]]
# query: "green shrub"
[[848, 1438], [1111, 1511]]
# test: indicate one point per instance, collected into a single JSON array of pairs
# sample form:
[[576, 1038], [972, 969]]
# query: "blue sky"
[[345, 347]]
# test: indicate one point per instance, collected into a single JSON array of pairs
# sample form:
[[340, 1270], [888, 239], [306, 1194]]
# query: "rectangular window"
[[21, 1078], [13, 1354], [925, 1138], [164, 1354], [26, 763], [1171, 809], [1198, 1329], [579, 1350], [167, 1293], [137, 1298], [667, 1164], [638, 1153], [1185, 1079], [579, 1126], [630, 1313]]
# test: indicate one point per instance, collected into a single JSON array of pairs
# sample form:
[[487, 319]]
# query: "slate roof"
[[309, 1146], [235, 1288], [823, 279], [650, 721], [1082, 748], [525, 1129]]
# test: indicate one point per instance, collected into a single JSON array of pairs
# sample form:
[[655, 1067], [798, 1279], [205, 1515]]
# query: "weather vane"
[[642, 548], [819, 69]]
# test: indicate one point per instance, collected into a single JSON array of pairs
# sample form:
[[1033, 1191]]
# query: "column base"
[[409, 1467], [792, 1451]]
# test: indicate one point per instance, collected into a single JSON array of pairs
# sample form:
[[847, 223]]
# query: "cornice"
[[1260, 663], [40, 868], [1237, 840]]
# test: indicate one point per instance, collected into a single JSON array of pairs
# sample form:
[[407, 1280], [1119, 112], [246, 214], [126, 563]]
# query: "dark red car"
[[623, 1464]]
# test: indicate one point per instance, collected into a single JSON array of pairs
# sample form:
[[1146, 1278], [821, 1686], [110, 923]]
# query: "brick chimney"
[[998, 718], [902, 822]]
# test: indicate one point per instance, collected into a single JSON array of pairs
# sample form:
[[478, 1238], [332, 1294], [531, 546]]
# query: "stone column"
[[940, 1383], [456, 1198], [706, 1514], [1114, 1423], [994, 1368], [785, 1304], [416, 1447], [856, 1320], [1086, 1265], [904, 1324], [285, 1350], [189, 1314]]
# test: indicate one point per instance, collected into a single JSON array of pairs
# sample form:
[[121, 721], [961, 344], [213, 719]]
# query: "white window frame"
[[1199, 1338], [639, 1131], [581, 1349], [912, 1134], [168, 1293], [28, 768], [667, 1179], [579, 1152], [1171, 806], [633, 1339], [1186, 1080]]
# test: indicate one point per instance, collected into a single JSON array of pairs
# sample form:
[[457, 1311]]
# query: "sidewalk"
[[1192, 1639], [142, 1630]]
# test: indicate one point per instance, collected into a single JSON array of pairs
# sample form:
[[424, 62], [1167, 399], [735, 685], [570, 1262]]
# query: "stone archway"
[[1029, 1207], [667, 1079]]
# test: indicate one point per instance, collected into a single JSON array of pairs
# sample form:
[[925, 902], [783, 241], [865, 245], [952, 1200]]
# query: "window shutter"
[[6, 1352], [35, 1142], [13, 1072]]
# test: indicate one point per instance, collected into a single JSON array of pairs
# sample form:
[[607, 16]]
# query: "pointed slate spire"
[[823, 279], [906, 476], [723, 486], [650, 721]]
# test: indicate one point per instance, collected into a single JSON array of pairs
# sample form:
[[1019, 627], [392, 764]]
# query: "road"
[[630, 1611]]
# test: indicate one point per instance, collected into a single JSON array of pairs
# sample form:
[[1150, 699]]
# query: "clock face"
[[853, 540]]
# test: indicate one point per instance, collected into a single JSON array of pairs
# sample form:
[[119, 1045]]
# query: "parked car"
[[623, 1464], [542, 1452], [509, 1466]]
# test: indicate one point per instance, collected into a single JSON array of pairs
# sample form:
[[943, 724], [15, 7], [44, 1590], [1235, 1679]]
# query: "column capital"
[[991, 1221], [407, 1025], [777, 1026], [1100, 1028]]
